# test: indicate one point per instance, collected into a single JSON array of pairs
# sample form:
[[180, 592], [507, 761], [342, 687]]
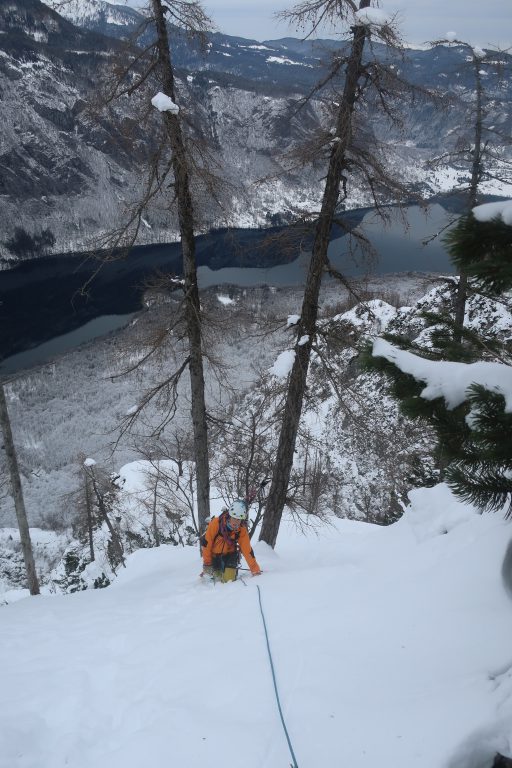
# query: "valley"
[[51, 296], [255, 310], [72, 169]]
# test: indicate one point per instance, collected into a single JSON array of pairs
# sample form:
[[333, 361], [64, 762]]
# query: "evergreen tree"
[[474, 446], [483, 249]]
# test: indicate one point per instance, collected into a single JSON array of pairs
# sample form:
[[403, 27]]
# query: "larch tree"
[[147, 68], [186, 224], [17, 494], [479, 148], [348, 155]]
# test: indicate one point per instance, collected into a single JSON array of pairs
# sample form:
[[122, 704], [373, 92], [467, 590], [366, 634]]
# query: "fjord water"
[[42, 312]]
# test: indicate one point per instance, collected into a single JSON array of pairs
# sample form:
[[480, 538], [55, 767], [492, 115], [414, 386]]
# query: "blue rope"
[[294, 764]]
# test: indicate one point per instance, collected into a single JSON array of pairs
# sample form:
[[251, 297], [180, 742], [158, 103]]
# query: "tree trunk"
[[307, 325], [156, 532], [114, 535], [192, 304], [476, 173], [17, 494], [88, 507]]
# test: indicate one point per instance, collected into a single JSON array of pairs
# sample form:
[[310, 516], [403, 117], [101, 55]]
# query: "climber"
[[224, 539]]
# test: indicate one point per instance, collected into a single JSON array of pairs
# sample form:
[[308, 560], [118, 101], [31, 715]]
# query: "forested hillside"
[[79, 167], [339, 430], [357, 456]]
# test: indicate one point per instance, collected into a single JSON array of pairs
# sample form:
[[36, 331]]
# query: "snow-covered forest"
[[363, 424]]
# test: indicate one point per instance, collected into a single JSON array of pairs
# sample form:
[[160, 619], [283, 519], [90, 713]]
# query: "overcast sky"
[[480, 22]]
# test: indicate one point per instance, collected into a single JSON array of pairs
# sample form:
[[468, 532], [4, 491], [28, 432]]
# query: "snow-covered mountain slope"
[[393, 650], [67, 171], [97, 15], [71, 407], [360, 459], [74, 174], [356, 453]]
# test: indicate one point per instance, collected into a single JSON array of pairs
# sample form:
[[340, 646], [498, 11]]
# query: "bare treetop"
[[189, 15], [309, 15]]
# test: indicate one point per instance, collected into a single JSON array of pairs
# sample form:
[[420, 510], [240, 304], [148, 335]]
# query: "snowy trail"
[[385, 641]]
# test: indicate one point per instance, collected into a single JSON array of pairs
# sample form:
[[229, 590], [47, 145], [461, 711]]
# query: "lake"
[[399, 246], [44, 310]]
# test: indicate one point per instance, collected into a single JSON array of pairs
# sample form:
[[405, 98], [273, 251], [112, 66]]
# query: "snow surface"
[[164, 103], [284, 60], [377, 313], [447, 379], [391, 647]]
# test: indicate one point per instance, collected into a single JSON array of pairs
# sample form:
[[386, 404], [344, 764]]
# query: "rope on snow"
[[294, 763]]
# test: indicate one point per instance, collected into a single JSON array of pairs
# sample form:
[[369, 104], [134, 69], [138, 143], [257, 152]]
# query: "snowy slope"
[[391, 645], [96, 14], [74, 173]]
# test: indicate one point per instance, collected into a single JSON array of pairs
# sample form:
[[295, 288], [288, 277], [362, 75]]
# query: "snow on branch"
[[164, 103], [490, 211], [449, 380], [371, 17], [284, 364]]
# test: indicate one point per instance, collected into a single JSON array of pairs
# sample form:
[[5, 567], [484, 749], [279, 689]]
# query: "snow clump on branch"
[[371, 17], [490, 211], [164, 103], [284, 364], [447, 379]]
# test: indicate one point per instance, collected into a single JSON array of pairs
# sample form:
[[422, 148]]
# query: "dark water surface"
[[44, 311]]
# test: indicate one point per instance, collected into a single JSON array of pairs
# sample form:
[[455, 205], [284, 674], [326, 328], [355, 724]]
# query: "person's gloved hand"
[[207, 570]]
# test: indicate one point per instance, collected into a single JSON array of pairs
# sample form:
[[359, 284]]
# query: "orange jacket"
[[217, 545]]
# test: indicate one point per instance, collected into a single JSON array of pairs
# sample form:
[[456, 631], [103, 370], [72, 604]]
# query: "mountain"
[[114, 19], [67, 168]]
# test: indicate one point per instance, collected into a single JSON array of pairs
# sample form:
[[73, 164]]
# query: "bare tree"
[[186, 220], [170, 172], [88, 511], [173, 494], [101, 489], [478, 149], [17, 494], [346, 153], [242, 465]]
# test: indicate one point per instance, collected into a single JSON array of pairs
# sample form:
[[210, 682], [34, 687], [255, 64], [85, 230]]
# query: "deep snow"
[[391, 646]]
